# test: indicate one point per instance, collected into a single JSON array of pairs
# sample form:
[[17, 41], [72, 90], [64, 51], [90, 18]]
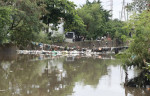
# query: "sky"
[[117, 5]]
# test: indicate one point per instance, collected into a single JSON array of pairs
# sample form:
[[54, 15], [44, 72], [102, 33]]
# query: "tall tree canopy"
[[5, 20], [20, 19], [138, 5], [141, 37], [23, 21], [138, 54], [63, 9], [95, 18], [115, 29]]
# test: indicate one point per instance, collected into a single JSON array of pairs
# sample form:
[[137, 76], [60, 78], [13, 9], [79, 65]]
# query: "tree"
[[5, 21], [138, 5], [87, 2], [65, 10], [23, 20], [115, 28], [24, 17], [138, 54], [26, 22], [77, 26], [95, 18]]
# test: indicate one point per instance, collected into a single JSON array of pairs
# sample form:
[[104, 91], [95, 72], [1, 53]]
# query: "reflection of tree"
[[136, 91], [29, 78], [3, 81], [86, 70], [44, 78]]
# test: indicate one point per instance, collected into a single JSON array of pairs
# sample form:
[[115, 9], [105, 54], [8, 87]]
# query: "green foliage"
[[20, 21], [138, 5], [57, 9], [63, 9], [95, 18], [139, 49], [57, 38], [41, 37], [77, 26], [115, 29], [5, 21], [25, 23]]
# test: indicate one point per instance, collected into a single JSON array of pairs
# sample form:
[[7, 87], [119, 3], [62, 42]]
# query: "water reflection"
[[30, 75], [136, 92]]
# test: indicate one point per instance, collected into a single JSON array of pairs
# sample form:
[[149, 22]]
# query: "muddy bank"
[[8, 48], [8, 51]]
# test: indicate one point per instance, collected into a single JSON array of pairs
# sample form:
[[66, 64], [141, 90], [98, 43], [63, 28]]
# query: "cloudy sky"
[[117, 5]]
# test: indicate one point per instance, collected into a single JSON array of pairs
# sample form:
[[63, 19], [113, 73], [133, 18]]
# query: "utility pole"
[[111, 8], [119, 15], [123, 11], [127, 12]]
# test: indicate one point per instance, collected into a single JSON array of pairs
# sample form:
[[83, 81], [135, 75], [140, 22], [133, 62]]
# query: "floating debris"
[[2, 90], [100, 50]]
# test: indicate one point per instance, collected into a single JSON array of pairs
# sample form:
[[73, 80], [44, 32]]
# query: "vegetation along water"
[[25, 24]]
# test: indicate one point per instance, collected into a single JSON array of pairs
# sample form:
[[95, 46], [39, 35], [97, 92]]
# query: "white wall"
[[59, 31]]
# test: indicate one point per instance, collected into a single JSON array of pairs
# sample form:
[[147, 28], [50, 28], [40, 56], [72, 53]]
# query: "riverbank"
[[95, 45], [8, 48]]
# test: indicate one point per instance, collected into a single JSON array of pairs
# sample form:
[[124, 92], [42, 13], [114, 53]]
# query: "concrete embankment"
[[11, 48], [88, 44]]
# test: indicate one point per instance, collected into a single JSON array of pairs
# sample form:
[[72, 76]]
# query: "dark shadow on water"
[[130, 91]]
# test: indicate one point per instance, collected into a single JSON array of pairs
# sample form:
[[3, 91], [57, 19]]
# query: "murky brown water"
[[64, 76]]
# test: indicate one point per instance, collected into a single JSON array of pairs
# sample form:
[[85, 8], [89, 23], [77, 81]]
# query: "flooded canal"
[[27, 75]]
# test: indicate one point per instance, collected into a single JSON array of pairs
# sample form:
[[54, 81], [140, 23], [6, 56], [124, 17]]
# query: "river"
[[30, 75]]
